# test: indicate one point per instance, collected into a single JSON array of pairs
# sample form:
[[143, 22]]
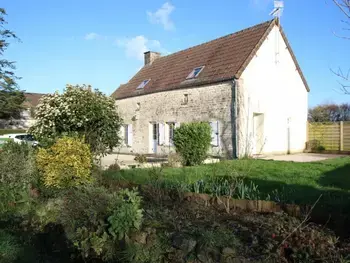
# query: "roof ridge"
[[207, 42], [35, 93]]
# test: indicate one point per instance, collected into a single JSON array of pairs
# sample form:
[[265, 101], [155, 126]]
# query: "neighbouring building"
[[27, 115], [248, 85]]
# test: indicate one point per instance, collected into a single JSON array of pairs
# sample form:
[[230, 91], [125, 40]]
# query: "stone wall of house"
[[22, 123], [205, 103]]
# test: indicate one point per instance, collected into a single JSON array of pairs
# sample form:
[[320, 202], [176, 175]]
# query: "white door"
[[259, 138], [155, 134]]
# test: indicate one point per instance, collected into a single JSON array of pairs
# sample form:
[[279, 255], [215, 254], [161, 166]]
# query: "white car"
[[21, 138]]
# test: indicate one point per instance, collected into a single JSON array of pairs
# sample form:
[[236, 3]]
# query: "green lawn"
[[300, 183]]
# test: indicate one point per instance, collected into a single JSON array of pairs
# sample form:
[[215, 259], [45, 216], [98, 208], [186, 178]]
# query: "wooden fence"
[[332, 136]]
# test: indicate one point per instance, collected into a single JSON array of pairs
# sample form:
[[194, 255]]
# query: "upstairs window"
[[143, 84], [195, 72]]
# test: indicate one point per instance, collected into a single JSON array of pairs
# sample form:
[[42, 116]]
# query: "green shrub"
[[17, 174], [115, 167], [192, 142], [95, 220], [83, 215], [126, 213], [17, 165], [67, 163], [84, 206], [320, 148], [9, 247], [47, 212], [140, 158]]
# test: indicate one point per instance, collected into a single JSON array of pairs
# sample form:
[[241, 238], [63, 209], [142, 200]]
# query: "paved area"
[[303, 157], [127, 161]]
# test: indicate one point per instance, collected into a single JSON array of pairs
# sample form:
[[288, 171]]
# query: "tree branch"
[[344, 6]]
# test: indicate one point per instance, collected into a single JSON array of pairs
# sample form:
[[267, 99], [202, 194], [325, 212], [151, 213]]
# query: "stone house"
[[248, 85], [27, 118]]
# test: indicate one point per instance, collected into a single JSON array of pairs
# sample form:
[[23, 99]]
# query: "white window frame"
[[143, 84], [192, 75]]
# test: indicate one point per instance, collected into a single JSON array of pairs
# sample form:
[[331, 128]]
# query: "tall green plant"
[[11, 98], [192, 142]]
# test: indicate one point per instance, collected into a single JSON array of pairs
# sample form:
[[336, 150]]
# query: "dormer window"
[[143, 84], [195, 72]]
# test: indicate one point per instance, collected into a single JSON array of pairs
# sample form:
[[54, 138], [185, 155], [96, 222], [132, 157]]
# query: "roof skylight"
[[195, 72], [143, 84]]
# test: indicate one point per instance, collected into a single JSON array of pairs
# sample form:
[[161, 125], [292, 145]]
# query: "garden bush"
[[82, 111], [9, 247], [17, 174], [126, 213], [192, 142], [95, 220], [67, 163]]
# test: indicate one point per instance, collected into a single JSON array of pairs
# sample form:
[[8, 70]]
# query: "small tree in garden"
[[79, 111], [11, 98], [192, 142], [67, 163]]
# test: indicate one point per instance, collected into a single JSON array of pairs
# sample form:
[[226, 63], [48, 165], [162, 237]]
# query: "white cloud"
[[136, 46], [162, 16], [91, 36]]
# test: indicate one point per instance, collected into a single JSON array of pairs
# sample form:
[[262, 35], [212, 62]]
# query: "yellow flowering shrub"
[[67, 163]]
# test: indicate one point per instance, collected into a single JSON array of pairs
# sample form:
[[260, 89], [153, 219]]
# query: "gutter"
[[234, 119]]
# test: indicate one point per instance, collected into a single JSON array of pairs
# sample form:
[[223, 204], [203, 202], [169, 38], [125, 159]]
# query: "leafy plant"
[[84, 206], [320, 148], [17, 174], [67, 163], [247, 191], [17, 165], [93, 243], [126, 213], [140, 158], [192, 142], [115, 167], [149, 253], [9, 247], [47, 212], [80, 111], [11, 98]]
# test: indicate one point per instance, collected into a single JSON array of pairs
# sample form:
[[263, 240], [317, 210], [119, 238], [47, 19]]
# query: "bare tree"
[[344, 77]]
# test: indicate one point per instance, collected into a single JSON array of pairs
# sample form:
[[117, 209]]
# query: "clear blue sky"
[[101, 42]]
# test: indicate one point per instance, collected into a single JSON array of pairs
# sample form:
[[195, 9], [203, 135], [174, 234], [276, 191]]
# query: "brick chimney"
[[151, 56]]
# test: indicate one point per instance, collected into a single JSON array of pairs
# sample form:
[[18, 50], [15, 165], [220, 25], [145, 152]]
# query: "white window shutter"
[[214, 133], [166, 134], [129, 127], [121, 131], [161, 134]]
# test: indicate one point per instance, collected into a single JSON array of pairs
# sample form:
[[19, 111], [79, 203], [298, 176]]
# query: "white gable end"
[[271, 85]]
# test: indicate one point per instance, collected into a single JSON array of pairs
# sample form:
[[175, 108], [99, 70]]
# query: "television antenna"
[[278, 9], [277, 13]]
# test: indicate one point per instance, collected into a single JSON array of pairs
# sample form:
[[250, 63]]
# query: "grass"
[[302, 182]]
